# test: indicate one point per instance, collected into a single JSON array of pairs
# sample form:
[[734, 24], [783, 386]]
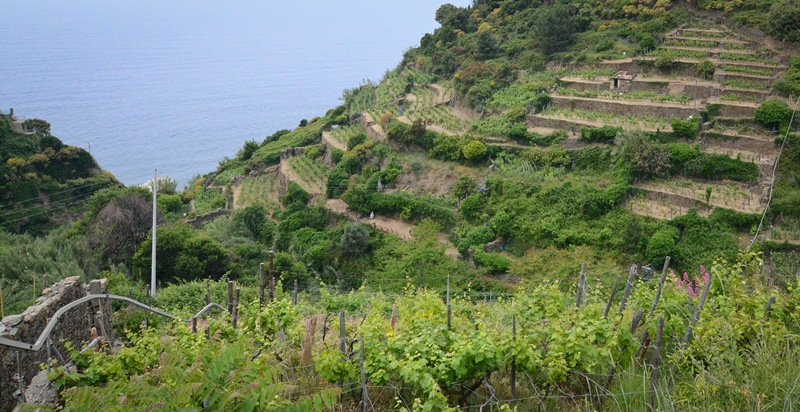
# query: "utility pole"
[[153, 257]]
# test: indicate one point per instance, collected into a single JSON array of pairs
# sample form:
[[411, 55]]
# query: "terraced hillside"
[[647, 92]]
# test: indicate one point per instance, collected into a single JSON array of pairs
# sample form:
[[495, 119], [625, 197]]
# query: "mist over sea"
[[180, 84]]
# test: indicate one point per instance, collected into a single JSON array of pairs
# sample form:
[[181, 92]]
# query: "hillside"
[[43, 182], [472, 218]]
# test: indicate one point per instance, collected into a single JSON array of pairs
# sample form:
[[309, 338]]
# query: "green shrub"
[[661, 245], [446, 147], [336, 155], [685, 128], [170, 203], [474, 151], [356, 140], [773, 113], [472, 206], [605, 134], [492, 262], [478, 236], [294, 194]]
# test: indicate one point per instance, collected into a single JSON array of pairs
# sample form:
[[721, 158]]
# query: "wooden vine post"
[[271, 276], [364, 398], [628, 288], [261, 285], [696, 317], [611, 297], [656, 364], [646, 336], [580, 297], [514, 359], [230, 297]]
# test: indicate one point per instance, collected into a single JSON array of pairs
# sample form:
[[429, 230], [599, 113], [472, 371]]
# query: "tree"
[[706, 69], [556, 28], [182, 253], [784, 18], [246, 152], [356, 140], [37, 126], [120, 227], [773, 113], [464, 187], [355, 239]]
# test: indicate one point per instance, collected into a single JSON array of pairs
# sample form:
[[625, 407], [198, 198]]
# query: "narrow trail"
[[385, 224]]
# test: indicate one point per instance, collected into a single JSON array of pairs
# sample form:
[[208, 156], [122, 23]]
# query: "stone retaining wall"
[[621, 108], [74, 327]]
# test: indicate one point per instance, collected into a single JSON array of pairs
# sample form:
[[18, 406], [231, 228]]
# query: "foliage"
[[183, 254], [355, 239], [773, 113], [685, 128], [784, 18], [605, 134], [661, 245], [492, 262], [646, 158], [295, 194], [474, 151]]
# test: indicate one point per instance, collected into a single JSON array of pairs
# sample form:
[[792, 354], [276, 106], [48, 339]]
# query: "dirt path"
[[432, 127], [385, 224]]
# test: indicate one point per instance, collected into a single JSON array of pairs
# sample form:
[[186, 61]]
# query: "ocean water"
[[180, 84]]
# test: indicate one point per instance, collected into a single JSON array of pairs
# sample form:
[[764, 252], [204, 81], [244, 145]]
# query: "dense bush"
[[492, 262], [183, 254], [692, 162], [477, 236], [773, 113], [605, 134], [685, 128]]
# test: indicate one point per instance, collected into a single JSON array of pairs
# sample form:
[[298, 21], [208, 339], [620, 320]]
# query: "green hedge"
[[692, 162]]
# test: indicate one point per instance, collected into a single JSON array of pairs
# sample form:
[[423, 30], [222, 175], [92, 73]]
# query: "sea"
[[178, 85]]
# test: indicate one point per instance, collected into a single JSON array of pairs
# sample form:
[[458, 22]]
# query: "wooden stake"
[[271, 276], [646, 334], [656, 364], [230, 297], [581, 294], [628, 288], [448, 302], [769, 307], [261, 284], [236, 307], [513, 360], [611, 297], [294, 294], [208, 292], [363, 377], [696, 317]]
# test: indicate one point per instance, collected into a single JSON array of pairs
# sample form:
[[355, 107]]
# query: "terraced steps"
[[726, 194], [572, 125], [662, 206], [329, 140]]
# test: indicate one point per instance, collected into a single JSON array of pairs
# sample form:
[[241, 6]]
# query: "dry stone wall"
[[74, 327]]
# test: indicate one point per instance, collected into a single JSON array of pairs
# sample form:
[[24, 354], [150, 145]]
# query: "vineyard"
[[312, 173], [642, 345]]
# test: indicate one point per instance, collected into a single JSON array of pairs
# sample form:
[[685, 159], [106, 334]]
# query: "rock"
[[12, 320]]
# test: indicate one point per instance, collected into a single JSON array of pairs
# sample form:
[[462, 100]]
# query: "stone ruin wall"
[[74, 327]]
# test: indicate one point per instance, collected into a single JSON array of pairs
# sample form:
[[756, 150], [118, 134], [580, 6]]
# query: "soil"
[[385, 224]]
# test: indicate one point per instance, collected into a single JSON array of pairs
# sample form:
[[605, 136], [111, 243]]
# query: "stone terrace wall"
[[74, 326]]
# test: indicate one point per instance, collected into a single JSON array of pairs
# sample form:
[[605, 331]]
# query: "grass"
[[631, 95], [647, 121], [311, 171], [343, 134], [680, 53], [441, 116], [745, 84], [258, 190], [690, 43], [746, 58], [735, 97], [747, 70]]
